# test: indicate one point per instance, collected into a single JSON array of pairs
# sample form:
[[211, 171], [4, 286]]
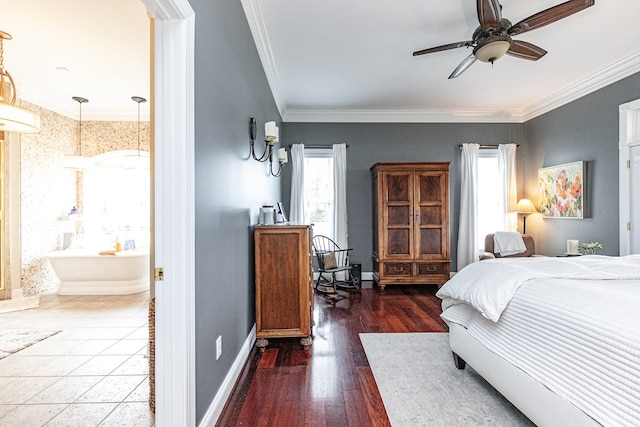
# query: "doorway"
[[629, 169]]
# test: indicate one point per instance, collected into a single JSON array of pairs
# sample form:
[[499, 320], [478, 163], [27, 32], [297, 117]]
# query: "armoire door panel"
[[398, 188], [429, 188], [398, 242], [399, 215], [431, 215], [431, 242]]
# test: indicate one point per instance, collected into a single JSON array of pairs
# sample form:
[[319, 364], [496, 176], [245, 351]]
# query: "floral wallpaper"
[[49, 191]]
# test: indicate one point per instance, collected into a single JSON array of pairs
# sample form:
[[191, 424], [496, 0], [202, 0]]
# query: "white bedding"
[[490, 284], [580, 338]]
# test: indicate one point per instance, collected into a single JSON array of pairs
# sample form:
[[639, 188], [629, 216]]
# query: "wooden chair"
[[333, 266]]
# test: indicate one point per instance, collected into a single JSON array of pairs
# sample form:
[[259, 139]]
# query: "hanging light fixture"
[[78, 162], [138, 161], [12, 118]]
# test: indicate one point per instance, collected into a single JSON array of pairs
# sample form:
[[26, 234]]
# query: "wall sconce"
[[271, 133], [525, 207]]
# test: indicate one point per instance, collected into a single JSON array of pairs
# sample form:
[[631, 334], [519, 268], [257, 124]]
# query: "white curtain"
[[507, 166], [296, 208], [340, 195], [468, 248]]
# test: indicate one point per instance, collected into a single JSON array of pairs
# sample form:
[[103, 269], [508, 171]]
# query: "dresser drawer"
[[427, 269], [398, 269]]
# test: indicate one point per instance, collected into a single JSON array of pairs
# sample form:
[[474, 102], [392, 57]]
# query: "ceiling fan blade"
[[443, 47], [463, 66], [549, 16], [526, 50], [489, 14]]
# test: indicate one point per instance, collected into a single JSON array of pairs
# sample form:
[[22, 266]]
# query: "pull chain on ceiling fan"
[[493, 37]]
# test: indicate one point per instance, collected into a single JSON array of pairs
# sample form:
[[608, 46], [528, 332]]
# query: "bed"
[[558, 337]]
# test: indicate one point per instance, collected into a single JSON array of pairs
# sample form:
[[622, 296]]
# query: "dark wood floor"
[[331, 384]]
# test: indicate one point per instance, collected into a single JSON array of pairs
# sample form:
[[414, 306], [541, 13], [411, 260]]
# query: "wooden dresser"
[[410, 223], [284, 280]]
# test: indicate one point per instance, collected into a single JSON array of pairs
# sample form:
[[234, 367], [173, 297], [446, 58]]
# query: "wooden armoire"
[[410, 223]]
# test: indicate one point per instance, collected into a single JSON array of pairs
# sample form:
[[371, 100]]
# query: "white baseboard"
[[215, 409]]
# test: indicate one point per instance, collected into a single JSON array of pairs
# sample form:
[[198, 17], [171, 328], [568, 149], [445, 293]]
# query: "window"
[[116, 202], [318, 190], [490, 195]]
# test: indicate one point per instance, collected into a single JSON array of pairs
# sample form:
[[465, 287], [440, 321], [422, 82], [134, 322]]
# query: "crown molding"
[[605, 77], [256, 25], [400, 116], [70, 109]]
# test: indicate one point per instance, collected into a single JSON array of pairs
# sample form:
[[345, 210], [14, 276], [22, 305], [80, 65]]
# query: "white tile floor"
[[93, 373]]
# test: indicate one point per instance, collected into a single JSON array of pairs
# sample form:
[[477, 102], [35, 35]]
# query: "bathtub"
[[84, 272]]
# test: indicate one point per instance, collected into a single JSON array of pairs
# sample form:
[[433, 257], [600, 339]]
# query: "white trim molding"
[[215, 409], [629, 136], [172, 110], [256, 24]]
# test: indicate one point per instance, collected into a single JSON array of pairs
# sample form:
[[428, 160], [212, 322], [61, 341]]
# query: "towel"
[[508, 243]]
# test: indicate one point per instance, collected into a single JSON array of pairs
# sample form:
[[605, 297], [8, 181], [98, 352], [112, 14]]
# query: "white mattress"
[[581, 339]]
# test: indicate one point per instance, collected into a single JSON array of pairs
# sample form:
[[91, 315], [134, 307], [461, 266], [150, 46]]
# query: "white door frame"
[[173, 121], [629, 136]]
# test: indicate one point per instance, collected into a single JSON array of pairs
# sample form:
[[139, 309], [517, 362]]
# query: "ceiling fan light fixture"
[[493, 48]]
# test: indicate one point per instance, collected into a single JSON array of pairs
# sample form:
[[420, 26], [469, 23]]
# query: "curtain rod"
[[318, 147], [484, 146]]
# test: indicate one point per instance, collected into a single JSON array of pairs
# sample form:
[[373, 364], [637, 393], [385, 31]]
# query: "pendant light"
[[78, 162], [12, 118], [138, 161]]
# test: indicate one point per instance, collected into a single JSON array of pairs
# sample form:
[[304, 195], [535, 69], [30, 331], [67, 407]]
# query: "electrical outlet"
[[219, 347]]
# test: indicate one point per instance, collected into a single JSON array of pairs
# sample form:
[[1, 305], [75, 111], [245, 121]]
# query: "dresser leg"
[[262, 344], [306, 342]]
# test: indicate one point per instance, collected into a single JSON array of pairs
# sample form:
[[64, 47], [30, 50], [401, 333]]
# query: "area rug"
[[14, 340], [420, 385]]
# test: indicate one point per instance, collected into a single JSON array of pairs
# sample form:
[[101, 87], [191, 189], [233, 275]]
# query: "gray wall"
[[229, 188], [586, 129], [370, 143]]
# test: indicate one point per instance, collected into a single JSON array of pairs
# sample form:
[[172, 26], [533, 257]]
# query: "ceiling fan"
[[493, 38]]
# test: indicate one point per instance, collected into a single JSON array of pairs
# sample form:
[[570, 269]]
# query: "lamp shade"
[[525, 206], [78, 163], [493, 48], [12, 117], [270, 131], [137, 161], [282, 156], [16, 119]]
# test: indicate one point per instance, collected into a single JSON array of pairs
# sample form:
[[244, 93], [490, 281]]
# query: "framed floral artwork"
[[561, 191]]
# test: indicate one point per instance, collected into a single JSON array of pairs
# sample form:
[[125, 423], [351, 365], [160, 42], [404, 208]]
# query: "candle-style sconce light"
[[271, 134]]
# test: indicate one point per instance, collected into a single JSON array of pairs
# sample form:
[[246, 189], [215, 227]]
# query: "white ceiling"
[[337, 60], [329, 60], [102, 46]]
